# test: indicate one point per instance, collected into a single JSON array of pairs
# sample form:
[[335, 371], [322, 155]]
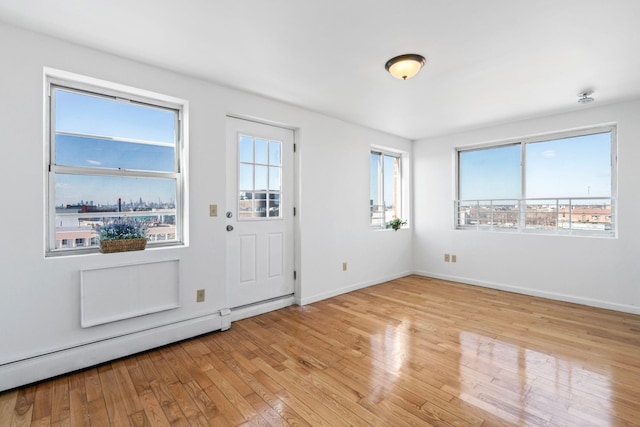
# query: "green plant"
[[396, 223], [122, 228]]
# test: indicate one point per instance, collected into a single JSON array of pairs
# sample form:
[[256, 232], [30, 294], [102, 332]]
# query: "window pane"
[[93, 115], [274, 153], [569, 167], [492, 173], [541, 215], [261, 151], [246, 149], [84, 202], [104, 153], [376, 209], [113, 193], [391, 184]]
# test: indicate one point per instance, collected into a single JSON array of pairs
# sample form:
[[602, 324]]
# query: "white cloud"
[[549, 153], [94, 162]]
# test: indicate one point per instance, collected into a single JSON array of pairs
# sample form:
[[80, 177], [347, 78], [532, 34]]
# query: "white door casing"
[[260, 223]]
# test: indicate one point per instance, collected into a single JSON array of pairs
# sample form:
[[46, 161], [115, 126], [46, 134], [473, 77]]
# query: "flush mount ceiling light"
[[405, 66], [585, 98]]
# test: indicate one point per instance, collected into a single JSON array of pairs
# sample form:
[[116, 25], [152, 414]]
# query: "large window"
[[111, 154], [385, 198], [563, 183]]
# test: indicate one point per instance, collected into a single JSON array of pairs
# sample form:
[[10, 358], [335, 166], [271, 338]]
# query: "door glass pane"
[[274, 153], [261, 177], [246, 149], [274, 179], [274, 205], [245, 205], [261, 151], [260, 205], [246, 177]]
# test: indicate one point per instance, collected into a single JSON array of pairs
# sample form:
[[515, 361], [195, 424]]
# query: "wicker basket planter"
[[122, 245]]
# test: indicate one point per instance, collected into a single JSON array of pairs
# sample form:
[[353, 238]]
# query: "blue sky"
[[153, 132], [570, 167]]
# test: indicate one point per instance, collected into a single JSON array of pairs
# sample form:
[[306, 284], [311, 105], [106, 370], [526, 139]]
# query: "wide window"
[[385, 199], [111, 155], [563, 183]]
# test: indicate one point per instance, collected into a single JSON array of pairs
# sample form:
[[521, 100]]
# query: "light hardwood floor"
[[413, 351]]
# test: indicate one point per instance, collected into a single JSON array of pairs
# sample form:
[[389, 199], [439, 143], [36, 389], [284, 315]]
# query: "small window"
[[260, 178], [562, 184], [385, 200], [111, 154]]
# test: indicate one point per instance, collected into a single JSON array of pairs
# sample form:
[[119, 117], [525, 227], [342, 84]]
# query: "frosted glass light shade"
[[405, 66]]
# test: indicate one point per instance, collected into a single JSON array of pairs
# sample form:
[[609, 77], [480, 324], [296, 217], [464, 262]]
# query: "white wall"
[[40, 298], [598, 272]]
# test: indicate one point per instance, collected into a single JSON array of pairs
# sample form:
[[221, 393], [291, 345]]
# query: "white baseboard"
[[26, 371], [351, 288], [261, 308], [537, 293]]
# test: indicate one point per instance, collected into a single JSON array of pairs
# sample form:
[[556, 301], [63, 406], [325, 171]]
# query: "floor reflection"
[[527, 386], [389, 347]]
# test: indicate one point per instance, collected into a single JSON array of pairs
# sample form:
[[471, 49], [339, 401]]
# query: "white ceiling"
[[488, 62]]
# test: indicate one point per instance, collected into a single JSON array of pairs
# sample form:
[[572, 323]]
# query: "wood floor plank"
[[78, 407], [98, 415], [152, 410], [7, 405], [414, 351]]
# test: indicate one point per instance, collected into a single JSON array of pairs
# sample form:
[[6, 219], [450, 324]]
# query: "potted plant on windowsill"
[[396, 223], [122, 234]]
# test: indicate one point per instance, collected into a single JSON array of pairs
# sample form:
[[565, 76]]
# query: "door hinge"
[[294, 148], [294, 211], [295, 275]]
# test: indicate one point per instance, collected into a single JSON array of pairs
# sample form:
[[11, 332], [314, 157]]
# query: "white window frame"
[[400, 191], [522, 200], [83, 84]]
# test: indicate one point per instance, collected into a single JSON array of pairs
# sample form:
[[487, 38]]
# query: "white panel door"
[[260, 258]]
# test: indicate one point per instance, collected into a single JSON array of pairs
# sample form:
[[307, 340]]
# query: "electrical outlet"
[[200, 295], [213, 210], [454, 258], [344, 266], [446, 257]]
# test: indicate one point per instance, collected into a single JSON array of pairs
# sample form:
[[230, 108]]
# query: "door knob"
[[229, 227], [229, 214]]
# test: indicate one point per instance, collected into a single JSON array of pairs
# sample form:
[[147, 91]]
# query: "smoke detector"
[[585, 97]]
